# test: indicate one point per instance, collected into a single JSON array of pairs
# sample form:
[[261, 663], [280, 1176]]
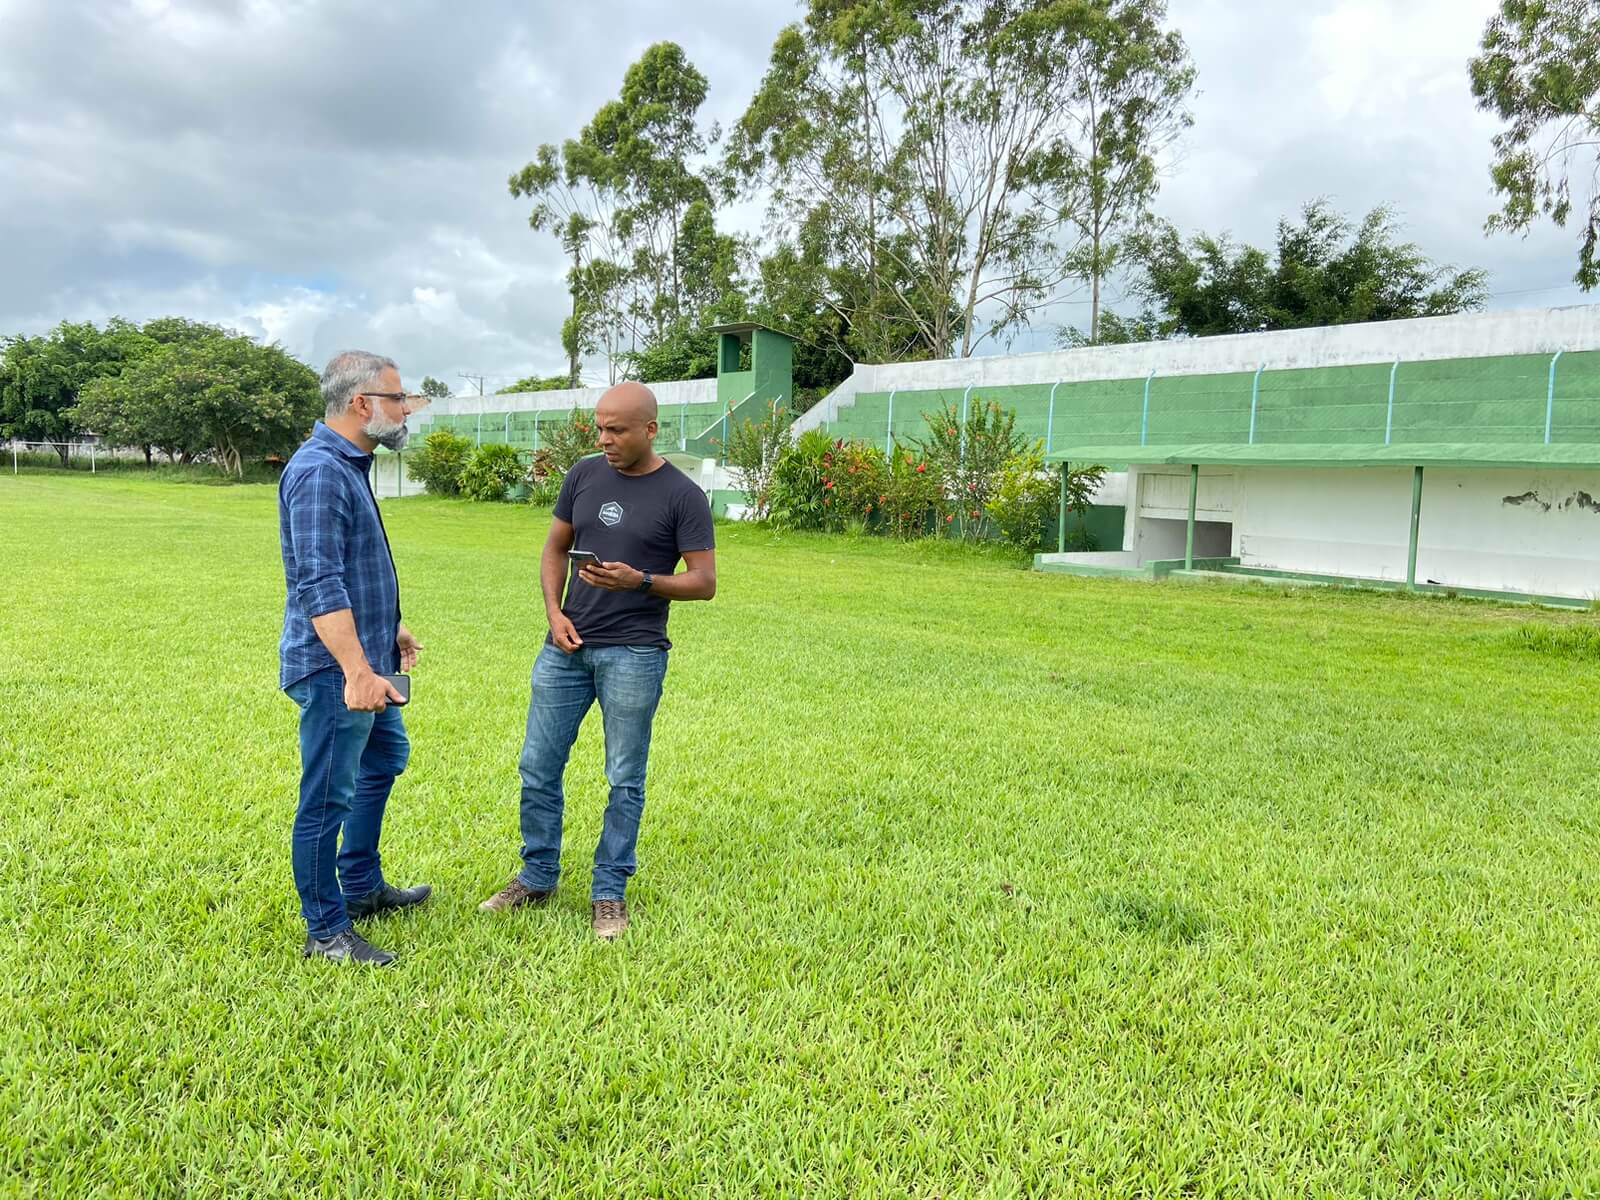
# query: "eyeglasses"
[[410, 400]]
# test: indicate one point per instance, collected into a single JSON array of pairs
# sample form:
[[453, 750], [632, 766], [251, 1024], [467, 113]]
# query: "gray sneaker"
[[515, 894], [348, 946]]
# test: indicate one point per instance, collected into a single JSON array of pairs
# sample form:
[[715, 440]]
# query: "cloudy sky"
[[333, 174]]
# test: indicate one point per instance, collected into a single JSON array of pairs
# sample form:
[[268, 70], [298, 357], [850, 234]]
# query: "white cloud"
[[335, 175]]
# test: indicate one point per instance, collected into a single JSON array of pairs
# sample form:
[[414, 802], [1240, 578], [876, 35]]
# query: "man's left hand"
[[613, 576], [410, 649]]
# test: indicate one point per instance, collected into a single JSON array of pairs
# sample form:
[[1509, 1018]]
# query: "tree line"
[[936, 175]]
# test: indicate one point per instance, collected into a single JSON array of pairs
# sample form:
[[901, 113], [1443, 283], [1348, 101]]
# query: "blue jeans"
[[627, 682], [348, 764]]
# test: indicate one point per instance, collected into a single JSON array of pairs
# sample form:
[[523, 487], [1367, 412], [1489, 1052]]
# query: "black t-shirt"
[[646, 521]]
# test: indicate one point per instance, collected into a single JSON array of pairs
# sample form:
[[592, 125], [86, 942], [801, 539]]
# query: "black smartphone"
[[583, 556], [401, 684]]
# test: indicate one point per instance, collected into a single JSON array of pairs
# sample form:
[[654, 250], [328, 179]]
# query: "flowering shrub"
[[969, 457], [569, 440]]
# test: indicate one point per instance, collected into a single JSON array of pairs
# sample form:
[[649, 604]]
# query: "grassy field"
[[955, 880]]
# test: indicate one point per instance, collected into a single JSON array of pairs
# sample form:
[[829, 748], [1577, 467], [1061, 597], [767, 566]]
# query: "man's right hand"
[[369, 693], [564, 633]]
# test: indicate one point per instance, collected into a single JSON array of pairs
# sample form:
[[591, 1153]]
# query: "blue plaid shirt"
[[335, 555]]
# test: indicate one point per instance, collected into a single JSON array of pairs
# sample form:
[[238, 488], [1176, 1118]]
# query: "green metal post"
[[1194, 496], [1416, 515], [1061, 522]]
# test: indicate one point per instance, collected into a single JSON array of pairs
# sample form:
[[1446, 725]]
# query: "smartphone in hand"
[[401, 684], [583, 557]]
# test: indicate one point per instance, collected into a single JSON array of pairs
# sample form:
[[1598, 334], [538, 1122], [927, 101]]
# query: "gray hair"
[[347, 374]]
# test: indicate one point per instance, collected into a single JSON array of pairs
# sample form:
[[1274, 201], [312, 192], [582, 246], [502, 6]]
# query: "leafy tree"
[[1324, 271], [933, 147], [1130, 79], [203, 389], [536, 383], [435, 389], [1539, 71], [634, 215], [41, 378]]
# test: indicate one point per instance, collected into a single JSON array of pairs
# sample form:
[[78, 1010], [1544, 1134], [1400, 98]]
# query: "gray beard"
[[395, 439]]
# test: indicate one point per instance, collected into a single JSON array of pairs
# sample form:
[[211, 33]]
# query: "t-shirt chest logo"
[[611, 513]]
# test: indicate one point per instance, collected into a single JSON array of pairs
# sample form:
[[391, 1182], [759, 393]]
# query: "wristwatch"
[[647, 582]]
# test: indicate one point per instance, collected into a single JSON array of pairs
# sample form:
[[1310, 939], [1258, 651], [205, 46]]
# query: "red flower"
[[883, 498], [922, 468], [949, 517], [829, 484]]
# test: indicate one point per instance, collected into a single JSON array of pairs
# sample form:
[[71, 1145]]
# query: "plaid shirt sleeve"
[[319, 514]]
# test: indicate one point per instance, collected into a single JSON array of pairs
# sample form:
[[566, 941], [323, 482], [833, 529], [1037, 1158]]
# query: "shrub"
[[1028, 492], [796, 498], [754, 450], [568, 441], [1024, 495], [491, 472], [438, 462], [853, 478], [969, 458], [910, 503]]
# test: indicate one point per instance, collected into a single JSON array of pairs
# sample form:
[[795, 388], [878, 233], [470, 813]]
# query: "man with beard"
[[341, 634]]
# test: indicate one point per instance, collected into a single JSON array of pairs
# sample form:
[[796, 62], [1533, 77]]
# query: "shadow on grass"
[[1163, 917]]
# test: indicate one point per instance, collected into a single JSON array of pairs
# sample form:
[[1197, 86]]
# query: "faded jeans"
[[627, 681]]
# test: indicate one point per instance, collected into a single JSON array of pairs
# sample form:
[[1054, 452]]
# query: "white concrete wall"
[[1526, 530]]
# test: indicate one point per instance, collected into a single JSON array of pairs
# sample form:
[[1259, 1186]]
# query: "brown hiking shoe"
[[610, 918], [515, 894]]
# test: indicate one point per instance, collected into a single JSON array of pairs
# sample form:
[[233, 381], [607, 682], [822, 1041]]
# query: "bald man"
[[637, 515]]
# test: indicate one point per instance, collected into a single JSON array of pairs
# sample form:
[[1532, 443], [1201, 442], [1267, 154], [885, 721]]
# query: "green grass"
[[955, 880]]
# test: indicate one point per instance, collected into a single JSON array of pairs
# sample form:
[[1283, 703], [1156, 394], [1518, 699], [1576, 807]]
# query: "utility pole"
[[477, 379]]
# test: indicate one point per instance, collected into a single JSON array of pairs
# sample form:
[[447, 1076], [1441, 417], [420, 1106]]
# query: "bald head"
[[625, 421], [630, 401]]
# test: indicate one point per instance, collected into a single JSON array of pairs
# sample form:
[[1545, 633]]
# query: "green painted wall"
[[1500, 400]]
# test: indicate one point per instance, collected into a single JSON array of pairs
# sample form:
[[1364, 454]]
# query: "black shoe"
[[348, 946], [387, 899]]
